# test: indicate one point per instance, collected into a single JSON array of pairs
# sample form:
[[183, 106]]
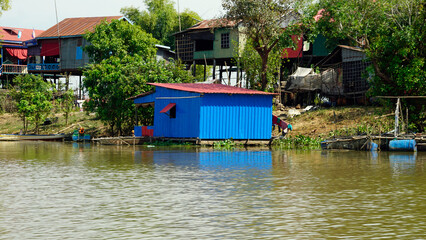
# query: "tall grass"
[[298, 142]]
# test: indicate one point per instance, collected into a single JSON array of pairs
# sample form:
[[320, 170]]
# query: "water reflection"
[[403, 163], [79, 191], [208, 159]]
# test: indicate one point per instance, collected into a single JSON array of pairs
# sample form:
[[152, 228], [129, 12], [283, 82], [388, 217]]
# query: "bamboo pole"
[[397, 118]]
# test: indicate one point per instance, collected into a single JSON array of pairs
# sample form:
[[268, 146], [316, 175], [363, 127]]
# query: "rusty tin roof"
[[76, 26]]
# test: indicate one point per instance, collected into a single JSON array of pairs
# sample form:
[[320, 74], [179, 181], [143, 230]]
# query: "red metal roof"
[[11, 34], [209, 88], [76, 26]]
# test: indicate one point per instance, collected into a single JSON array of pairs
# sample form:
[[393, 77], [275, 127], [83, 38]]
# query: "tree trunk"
[[380, 74], [264, 71]]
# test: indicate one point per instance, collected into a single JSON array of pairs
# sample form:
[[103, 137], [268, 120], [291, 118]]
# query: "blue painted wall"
[[211, 116], [186, 123], [145, 99], [236, 116]]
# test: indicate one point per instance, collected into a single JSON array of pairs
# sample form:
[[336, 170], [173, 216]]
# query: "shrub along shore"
[[308, 128]]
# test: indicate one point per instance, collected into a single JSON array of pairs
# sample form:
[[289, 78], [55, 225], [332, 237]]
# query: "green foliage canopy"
[[251, 62], [4, 5], [392, 34], [263, 24], [390, 31], [115, 79], [33, 97], [161, 19], [123, 56], [119, 38]]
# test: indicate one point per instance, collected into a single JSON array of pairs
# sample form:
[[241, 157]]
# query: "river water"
[[81, 191]]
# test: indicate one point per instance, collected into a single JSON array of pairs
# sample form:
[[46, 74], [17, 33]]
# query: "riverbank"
[[319, 123], [12, 124]]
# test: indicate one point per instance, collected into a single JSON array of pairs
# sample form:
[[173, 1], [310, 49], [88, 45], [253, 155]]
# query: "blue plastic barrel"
[[403, 145], [74, 137], [324, 144], [373, 146]]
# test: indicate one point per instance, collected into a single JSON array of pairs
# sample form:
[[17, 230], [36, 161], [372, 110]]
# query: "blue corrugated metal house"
[[208, 111]]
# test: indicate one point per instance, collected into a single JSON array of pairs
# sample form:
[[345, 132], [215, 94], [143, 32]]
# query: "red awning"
[[19, 53], [168, 107], [50, 48]]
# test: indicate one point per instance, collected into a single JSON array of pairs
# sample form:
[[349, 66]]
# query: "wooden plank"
[[394, 97]]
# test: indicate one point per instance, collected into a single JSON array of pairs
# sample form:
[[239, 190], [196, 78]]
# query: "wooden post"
[[214, 69], [229, 75], [221, 73], [238, 75], [407, 120], [205, 71], [67, 81], [397, 118], [194, 68], [136, 115], [279, 84], [79, 88]]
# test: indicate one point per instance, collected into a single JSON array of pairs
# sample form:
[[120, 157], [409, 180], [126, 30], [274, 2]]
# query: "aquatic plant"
[[227, 144], [298, 142], [168, 143]]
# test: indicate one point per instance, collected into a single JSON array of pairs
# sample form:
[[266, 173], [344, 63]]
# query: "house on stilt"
[[14, 52], [213, 43]]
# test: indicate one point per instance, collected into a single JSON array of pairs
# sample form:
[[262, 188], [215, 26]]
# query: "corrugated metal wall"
[[235, 116], [72, 54], [186, 123], [146, 99]]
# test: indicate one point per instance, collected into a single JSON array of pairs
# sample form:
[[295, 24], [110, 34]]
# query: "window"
[[172, 112], [224, 43], [78, 53]]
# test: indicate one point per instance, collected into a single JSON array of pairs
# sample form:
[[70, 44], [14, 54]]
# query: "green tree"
[[161, 19], [33, 97], [123, 63], [66, 103], [4, 5], [119, 38], [263, 24], [251, 62], [65, 100], [391, 32], [115, 79]]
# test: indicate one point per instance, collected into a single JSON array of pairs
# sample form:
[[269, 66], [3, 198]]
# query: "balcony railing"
[[44, 67], [13, 69]]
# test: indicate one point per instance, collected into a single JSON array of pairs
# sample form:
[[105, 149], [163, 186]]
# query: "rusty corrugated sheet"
[[75, 26], [212, 23]]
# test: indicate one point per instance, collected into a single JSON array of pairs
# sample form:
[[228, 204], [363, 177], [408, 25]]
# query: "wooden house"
[[210, 42], [14, 52], [351, 63], [60, 48], [208, 111], [342, 77]]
